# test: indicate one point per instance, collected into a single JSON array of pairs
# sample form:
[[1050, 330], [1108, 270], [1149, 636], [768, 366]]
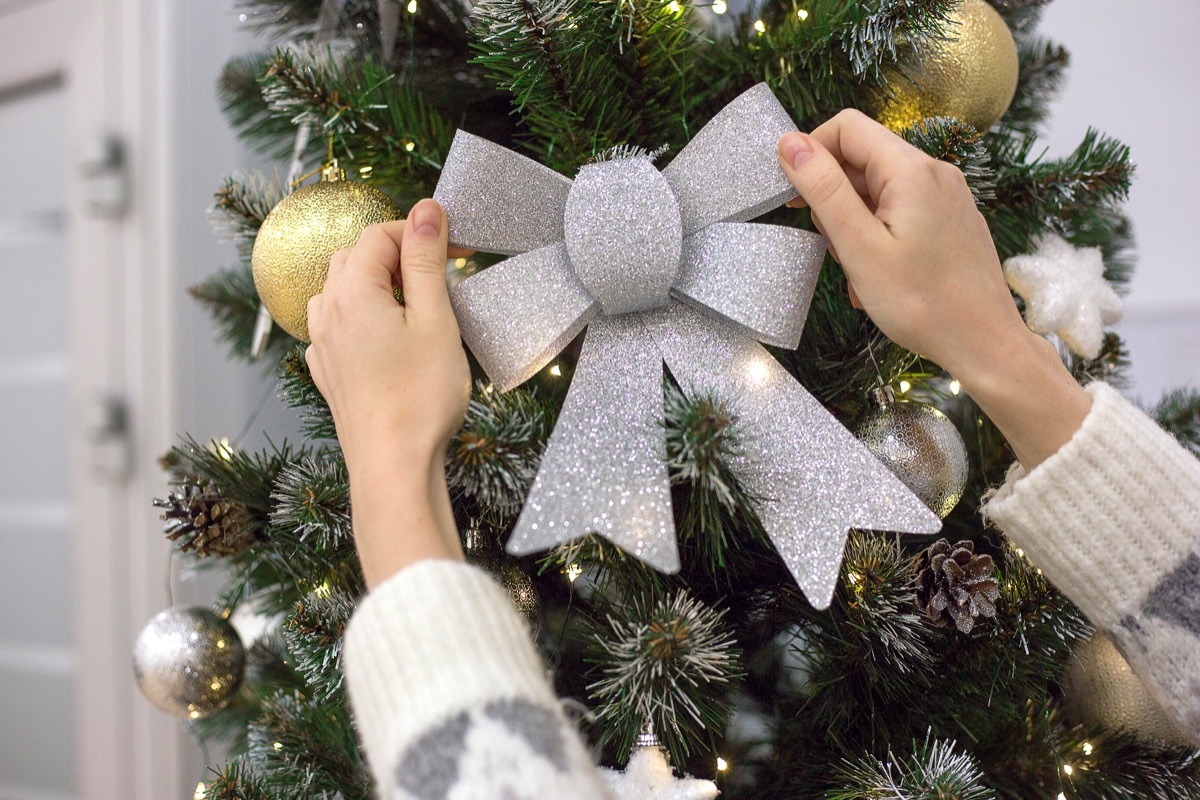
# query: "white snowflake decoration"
[[1065, 293], [648, 776]]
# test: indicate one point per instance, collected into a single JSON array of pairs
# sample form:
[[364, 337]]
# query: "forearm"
[[400, 513], [1023, 387]]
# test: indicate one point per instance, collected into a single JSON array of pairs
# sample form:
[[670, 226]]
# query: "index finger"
[[860, 142]]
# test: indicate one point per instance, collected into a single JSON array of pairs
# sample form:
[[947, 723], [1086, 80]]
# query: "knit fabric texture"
[[1113, 520], [451, 700]]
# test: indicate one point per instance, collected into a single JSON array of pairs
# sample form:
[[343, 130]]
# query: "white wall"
[[1133, 76]]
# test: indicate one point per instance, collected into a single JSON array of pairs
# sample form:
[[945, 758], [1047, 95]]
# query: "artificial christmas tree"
[[865, 698]]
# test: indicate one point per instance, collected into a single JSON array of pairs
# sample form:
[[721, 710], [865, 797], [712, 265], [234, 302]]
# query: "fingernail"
[[426, 219], [796, 149]]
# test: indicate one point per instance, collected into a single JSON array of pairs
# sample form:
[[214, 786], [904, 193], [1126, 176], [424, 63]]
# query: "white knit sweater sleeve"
[[450, 697], [1113, 520]]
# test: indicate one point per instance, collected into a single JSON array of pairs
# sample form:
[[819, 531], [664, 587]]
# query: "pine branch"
[[238, 781], [662, 661], [1178, 412], [232, 302], [241, 98], [313, 633], [1043, 67], [240, 206], [495, 455], [954, 141], [299, 391], [312, 501], [934, 771]]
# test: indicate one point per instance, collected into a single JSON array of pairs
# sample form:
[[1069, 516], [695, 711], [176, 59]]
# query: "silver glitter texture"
[[730, 171], [604, 470], [624, 234], [815, 478], [922, 446], [730, 269], [502, 202], [503, 314], [188, 661], [631, 233]]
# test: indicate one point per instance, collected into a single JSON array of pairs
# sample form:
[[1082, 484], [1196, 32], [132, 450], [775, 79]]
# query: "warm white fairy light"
[[955, 387], [556, 371], [278, 746], [904, 386], [412, 6], [674, 7], [574, 571], [1062, 796], [802, 14], [722, 764], [1068, 769], [760, 26], [1087, 748], [199, 793], [719, 6], [410, 146]]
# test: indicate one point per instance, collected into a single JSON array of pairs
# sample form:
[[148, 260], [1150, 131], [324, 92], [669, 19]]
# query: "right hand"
[[920, 261], [904, 226]]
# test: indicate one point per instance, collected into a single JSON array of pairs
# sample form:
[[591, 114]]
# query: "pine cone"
[[954, 586], [199, 519]]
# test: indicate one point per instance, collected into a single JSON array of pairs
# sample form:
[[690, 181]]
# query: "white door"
[[37, 652]]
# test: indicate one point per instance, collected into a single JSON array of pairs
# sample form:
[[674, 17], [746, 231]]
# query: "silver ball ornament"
[[920, 445], [188, 661]]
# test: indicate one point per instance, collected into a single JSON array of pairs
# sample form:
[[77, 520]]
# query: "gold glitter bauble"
[[1101, 689], [970, 75], [188, 661], [293, 247]]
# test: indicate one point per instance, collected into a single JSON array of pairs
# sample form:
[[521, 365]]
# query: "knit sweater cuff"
[[1116, 470], [435, 638]]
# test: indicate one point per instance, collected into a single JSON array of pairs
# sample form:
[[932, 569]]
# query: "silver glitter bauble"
[[920, 445], [1099, 688], [188, 661]]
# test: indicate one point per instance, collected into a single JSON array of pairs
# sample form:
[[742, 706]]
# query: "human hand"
[[397, 383], [921, 262]]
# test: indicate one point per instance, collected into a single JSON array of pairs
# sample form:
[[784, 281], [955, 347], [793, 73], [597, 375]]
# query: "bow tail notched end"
[[604, 470], [813, 479]]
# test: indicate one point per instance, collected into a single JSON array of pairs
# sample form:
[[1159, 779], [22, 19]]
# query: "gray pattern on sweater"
[[429, 767], [1176, 598]]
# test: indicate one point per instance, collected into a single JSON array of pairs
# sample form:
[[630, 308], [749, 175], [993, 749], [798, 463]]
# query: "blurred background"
[[114, 144]]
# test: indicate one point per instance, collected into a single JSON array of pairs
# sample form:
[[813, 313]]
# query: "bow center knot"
[[624, 234]]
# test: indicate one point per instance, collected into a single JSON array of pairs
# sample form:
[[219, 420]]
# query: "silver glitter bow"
[[661, 266]]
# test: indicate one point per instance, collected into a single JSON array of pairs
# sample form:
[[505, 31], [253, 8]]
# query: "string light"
[[722, 764], [802, 14], [720, 6], [556, 371], [459, 263], [410, 146], [1087, 748], [412, 6], [674, 7], [904, 386], [199, 793], [1068, 769], [278, 746], [1062, 796], [760, 26], [574, 571], [955, 387], [488, 389], [365, 172]]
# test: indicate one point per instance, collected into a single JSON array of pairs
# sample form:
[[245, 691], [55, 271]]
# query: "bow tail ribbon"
[[813, 479], [604, 470]]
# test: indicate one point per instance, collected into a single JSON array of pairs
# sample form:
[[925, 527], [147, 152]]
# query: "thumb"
[[820, 180], [423, 260]]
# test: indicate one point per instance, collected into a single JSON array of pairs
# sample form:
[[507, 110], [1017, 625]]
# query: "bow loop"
[[729, 172], [499, 201]]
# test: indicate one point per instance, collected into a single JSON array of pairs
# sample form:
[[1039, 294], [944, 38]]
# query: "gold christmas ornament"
[[971, 74], [293, 247], [1101, 689]]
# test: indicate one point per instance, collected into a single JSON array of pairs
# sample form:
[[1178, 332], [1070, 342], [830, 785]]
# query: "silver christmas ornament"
[[661, 267], [188, 661], [920, 445]]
